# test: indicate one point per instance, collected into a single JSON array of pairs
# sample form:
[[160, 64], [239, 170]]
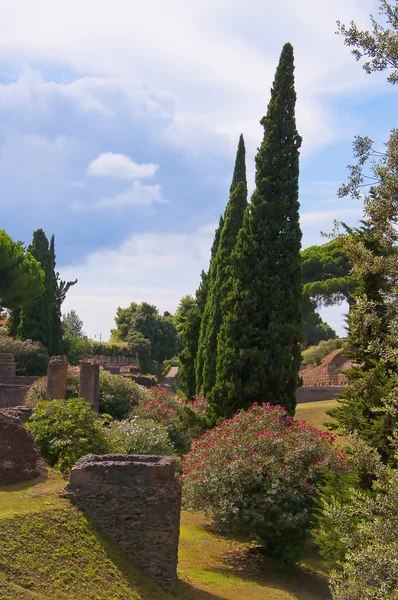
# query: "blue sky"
[[119, 123]]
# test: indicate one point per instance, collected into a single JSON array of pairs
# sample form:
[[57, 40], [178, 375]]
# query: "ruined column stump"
[[7, 365], [56, 377], [137, 501], [89, 382]]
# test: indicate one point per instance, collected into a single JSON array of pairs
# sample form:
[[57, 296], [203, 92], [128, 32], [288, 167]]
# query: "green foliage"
[[180, 317], [40, 319], [21, 276], [379, 45], [219, 279], [151, 336], [123, 321], [74, 341], [111, 348], [66, 430], [314, 328], [117, 394], [190, 339], [31, 357], [257, 474], [314, 354], [364, 525], [139, 436], [182, 421], [259, 350], [368, 406]]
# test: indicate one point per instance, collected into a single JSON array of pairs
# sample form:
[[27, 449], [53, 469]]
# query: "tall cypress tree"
[[36, 318], [219, 275], [60, 290], [258, 350], [191, 329]]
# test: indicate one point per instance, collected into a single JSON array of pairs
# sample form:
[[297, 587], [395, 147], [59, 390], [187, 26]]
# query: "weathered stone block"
[[137, 501], [20, 458], [7, 365], [56, 377]]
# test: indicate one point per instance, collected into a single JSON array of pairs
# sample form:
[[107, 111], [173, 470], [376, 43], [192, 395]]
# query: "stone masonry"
[[7, 365], [137, 501], [328, 373], [56, 377], [20, 459], [89, 382]]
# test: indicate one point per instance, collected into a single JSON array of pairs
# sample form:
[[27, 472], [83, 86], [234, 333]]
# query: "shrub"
[[31, 357], [66, 430], [139, 436], [183, 421], [257, 474], [117, 394], [367, 524]]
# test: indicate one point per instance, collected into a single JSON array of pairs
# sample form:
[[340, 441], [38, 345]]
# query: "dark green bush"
[[66, 430], [31, 357]]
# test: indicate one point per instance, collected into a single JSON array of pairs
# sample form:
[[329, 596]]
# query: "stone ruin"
[[20, 458], [12, 388], [137, 501], [89, 380], [328, 373]]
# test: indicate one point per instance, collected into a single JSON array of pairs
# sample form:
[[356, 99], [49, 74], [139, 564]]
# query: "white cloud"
[[119, 166], [320, 217], [153, 267], [136, 195]]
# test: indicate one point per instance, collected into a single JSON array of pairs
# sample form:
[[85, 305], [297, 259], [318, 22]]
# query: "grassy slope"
[[49, 550]]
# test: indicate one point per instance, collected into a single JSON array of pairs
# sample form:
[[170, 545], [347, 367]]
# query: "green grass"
[[50, 551], [315, 412]]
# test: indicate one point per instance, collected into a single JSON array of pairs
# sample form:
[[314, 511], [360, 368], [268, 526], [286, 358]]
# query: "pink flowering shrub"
[[181, 419], [258, 473], [117, 394]]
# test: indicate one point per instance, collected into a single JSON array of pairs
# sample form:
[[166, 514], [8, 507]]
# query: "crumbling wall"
[[137, 501], [328, 373], [20, 458]]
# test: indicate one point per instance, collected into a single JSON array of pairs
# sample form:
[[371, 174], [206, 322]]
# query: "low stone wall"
[[137, 501], [315, 394], [22, 380], [11, 395]]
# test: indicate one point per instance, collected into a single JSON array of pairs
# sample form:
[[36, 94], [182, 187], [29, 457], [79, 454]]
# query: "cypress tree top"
[[258, 348]]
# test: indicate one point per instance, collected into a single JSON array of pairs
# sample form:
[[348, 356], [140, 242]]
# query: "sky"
[[119, 123]]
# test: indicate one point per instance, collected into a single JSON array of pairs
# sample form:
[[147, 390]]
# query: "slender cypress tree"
[[219, 275], [61, 289], [191, 329], [36, 319], [258, 349]]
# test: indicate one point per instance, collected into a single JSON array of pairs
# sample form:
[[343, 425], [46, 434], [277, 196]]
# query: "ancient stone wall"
[[56, 377], [20, 459], [316, 393], [11, 395], [328, 373], [7, 365], [137, 501]]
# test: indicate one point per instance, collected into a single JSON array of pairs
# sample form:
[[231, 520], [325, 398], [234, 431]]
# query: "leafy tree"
[[151, 336], [180, 317], [21, 276], [123, 321], [379, 45], [219, 279], [259, 343], [74, 341], [369, 406]]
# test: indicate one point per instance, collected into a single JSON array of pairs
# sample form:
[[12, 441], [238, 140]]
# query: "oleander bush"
[[258, 473]]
